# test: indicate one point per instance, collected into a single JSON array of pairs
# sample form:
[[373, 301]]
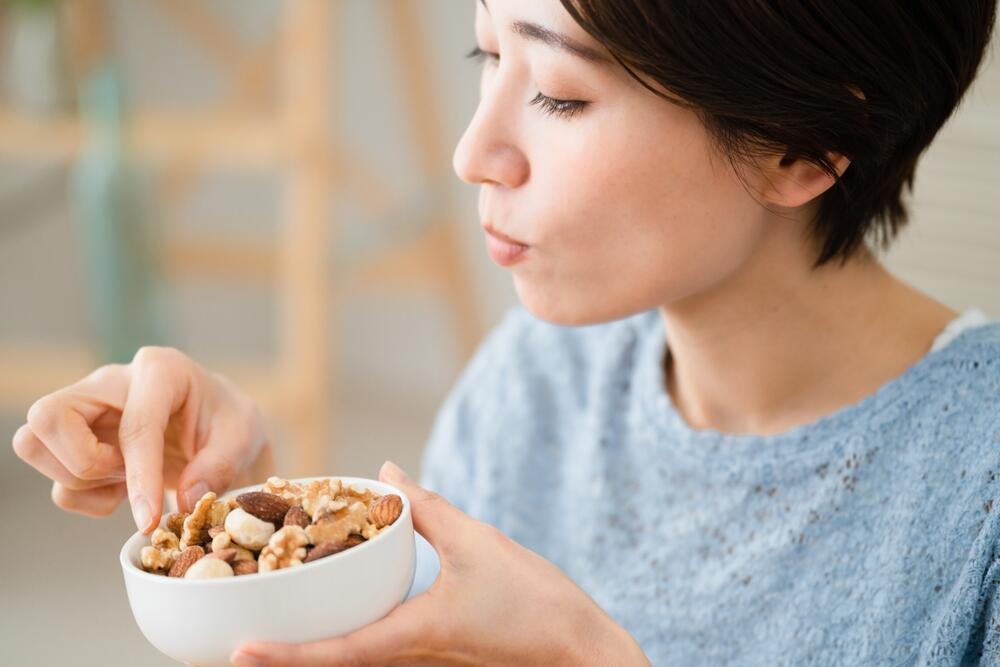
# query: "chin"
[[571, 307]]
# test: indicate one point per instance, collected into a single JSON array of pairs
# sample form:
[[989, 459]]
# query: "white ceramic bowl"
[[202, 621]]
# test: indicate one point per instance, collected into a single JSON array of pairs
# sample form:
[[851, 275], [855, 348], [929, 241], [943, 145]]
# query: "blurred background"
[[266, 185]]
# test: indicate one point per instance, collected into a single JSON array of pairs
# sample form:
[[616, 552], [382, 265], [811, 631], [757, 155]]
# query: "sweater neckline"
[[805, 443]]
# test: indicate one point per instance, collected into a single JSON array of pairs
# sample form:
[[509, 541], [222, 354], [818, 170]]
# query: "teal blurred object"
[[116, 236]]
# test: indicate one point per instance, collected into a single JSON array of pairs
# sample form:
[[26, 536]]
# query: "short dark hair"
[[873, 80]]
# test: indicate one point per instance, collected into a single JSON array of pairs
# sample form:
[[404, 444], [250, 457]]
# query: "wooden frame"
[[240, 134]]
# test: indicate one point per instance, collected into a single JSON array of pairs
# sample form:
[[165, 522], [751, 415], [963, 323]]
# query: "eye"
[[554, 107], [549, 105], [481, 56]]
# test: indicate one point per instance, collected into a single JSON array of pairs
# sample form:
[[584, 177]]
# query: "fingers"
[[433, 516], [161, 382], [406, 632], [231, 446], [32, 451], [98, 502], [61, 421]]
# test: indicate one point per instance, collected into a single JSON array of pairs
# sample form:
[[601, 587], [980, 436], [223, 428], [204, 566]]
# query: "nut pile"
[[285, 524]]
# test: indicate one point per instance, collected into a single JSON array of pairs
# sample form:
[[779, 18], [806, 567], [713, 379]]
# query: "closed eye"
[[549, 105]]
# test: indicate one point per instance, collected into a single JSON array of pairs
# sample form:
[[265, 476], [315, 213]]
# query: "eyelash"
[[548, 105]]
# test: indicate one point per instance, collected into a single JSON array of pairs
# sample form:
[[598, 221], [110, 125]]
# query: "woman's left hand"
[[494, 602]]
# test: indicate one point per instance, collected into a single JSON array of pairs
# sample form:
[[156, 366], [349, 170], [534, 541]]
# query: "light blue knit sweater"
[[866, 538]]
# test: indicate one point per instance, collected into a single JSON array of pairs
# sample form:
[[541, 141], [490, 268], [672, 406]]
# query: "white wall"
[[952, 248]]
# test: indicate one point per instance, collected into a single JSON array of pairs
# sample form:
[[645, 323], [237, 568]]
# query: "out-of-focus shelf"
[[32, 370], [216, 139]]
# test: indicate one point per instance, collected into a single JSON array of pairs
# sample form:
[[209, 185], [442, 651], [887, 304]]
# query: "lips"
[[503, 249], [501, 236]]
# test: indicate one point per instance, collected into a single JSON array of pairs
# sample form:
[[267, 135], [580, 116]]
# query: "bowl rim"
[[133, 570]]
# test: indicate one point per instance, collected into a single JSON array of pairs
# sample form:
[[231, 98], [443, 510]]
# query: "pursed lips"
[[500, 235]]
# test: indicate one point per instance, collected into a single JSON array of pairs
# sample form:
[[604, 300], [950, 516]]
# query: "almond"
[[228, 555], [385, 510], [325, 549], [354, 540], [187, 558], [242, 567], [296, 516], [264, 506]]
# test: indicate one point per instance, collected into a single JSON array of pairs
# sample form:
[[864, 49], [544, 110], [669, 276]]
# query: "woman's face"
[[620, 197]]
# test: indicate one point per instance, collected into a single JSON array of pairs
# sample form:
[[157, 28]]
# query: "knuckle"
[[83, 467], [153, 356], [432, 498], [494, 536], [105, 373], [43, 417], [133, 426], [492, 532], [25, 444], [62, 498], [224, 469]]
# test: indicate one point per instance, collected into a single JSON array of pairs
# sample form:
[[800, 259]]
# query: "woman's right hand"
[[134, 429]]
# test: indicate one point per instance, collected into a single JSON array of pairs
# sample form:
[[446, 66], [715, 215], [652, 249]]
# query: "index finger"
[[159, 386]]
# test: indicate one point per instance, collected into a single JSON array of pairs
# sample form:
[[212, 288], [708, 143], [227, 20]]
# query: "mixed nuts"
[[285, 524]]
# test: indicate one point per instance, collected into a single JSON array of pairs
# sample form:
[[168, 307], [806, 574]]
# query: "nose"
[[488, 153]]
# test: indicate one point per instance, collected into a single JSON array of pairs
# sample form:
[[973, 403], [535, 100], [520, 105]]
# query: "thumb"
[[433, 516]]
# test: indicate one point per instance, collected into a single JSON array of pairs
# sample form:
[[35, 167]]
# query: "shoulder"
[[964, 376], [947, 420]]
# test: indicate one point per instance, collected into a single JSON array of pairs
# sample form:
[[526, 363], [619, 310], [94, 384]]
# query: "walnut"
[[290, 491], [217, 514], [161, 555], [325, 506], [196, 525], [337, 526], [158, 561], [367, 496], [164, 540], [369, 531], [286, 548], [175, 522]]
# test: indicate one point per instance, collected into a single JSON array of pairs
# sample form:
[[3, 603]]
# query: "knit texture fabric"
[[868, 537]]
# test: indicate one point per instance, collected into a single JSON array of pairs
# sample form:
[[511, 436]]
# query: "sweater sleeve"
[[984, 646]]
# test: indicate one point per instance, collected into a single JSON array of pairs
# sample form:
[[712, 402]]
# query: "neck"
[[772, 347]]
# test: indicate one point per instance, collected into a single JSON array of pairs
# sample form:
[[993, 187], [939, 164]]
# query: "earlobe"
[[789, 181]]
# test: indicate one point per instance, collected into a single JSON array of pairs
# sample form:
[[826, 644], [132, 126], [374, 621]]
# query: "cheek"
[[632, 220]]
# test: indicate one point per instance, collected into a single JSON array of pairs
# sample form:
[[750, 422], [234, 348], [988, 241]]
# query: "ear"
[[791, 182]]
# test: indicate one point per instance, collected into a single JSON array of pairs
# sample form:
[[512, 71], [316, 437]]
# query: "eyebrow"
[[556, 40]]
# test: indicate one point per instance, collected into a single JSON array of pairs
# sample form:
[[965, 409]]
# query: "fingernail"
[[241, 659], [194, 494], [394, 473], [142, 513]]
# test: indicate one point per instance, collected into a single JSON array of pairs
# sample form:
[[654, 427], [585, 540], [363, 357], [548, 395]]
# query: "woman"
[[753, 445]]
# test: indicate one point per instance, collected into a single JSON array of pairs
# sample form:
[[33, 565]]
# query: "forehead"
[[545, 21]]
